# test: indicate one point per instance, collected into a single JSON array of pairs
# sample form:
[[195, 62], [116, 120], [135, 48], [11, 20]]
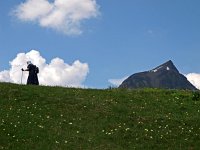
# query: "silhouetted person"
[[33, 70]]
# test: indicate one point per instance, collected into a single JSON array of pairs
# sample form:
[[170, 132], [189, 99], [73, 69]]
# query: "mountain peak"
[[169, 66], [164, 76]]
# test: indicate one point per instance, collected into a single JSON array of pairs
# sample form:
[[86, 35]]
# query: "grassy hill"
[[56, 118]]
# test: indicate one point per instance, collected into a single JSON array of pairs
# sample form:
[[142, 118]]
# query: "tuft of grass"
[[42, 117], [196, 96]]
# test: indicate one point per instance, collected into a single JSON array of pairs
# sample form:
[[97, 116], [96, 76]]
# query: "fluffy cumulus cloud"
[[117, 82], [194, 78], [62, 15], [57, 72]]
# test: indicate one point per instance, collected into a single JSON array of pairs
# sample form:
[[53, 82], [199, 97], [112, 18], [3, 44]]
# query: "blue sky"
[[123, 38]]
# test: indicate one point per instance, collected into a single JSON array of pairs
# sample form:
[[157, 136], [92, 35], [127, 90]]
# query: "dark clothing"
[[32, 77]]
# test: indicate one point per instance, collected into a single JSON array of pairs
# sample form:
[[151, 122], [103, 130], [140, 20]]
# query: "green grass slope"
[[55, 118]]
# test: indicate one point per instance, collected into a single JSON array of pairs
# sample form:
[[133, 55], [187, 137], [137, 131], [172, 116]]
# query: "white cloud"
[[57, 72], [117, 82], [5, 76], [61, 15], [194, 78]]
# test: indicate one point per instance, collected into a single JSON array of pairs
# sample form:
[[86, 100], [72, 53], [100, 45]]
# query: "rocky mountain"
[[164, 76]]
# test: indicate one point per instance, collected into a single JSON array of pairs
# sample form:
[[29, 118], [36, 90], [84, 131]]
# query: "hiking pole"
[[21, 76]]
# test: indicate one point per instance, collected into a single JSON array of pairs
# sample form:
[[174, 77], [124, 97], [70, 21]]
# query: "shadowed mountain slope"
[[164, 76]]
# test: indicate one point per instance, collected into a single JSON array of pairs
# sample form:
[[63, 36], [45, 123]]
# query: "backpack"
[[36, 69]]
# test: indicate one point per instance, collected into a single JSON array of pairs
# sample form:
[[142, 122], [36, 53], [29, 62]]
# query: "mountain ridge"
[[164, 76]]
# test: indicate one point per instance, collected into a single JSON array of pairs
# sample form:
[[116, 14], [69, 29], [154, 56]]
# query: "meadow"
[[57, 118]]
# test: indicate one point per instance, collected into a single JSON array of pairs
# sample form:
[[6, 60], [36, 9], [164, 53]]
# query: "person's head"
[[28, 62]]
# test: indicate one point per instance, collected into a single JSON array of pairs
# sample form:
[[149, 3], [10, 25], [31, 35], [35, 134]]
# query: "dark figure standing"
[[32, 77]]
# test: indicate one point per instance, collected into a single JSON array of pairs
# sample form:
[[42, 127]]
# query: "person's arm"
[[28, 68], [25, 69]]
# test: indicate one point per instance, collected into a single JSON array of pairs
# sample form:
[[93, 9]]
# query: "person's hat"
[[28, 62]]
